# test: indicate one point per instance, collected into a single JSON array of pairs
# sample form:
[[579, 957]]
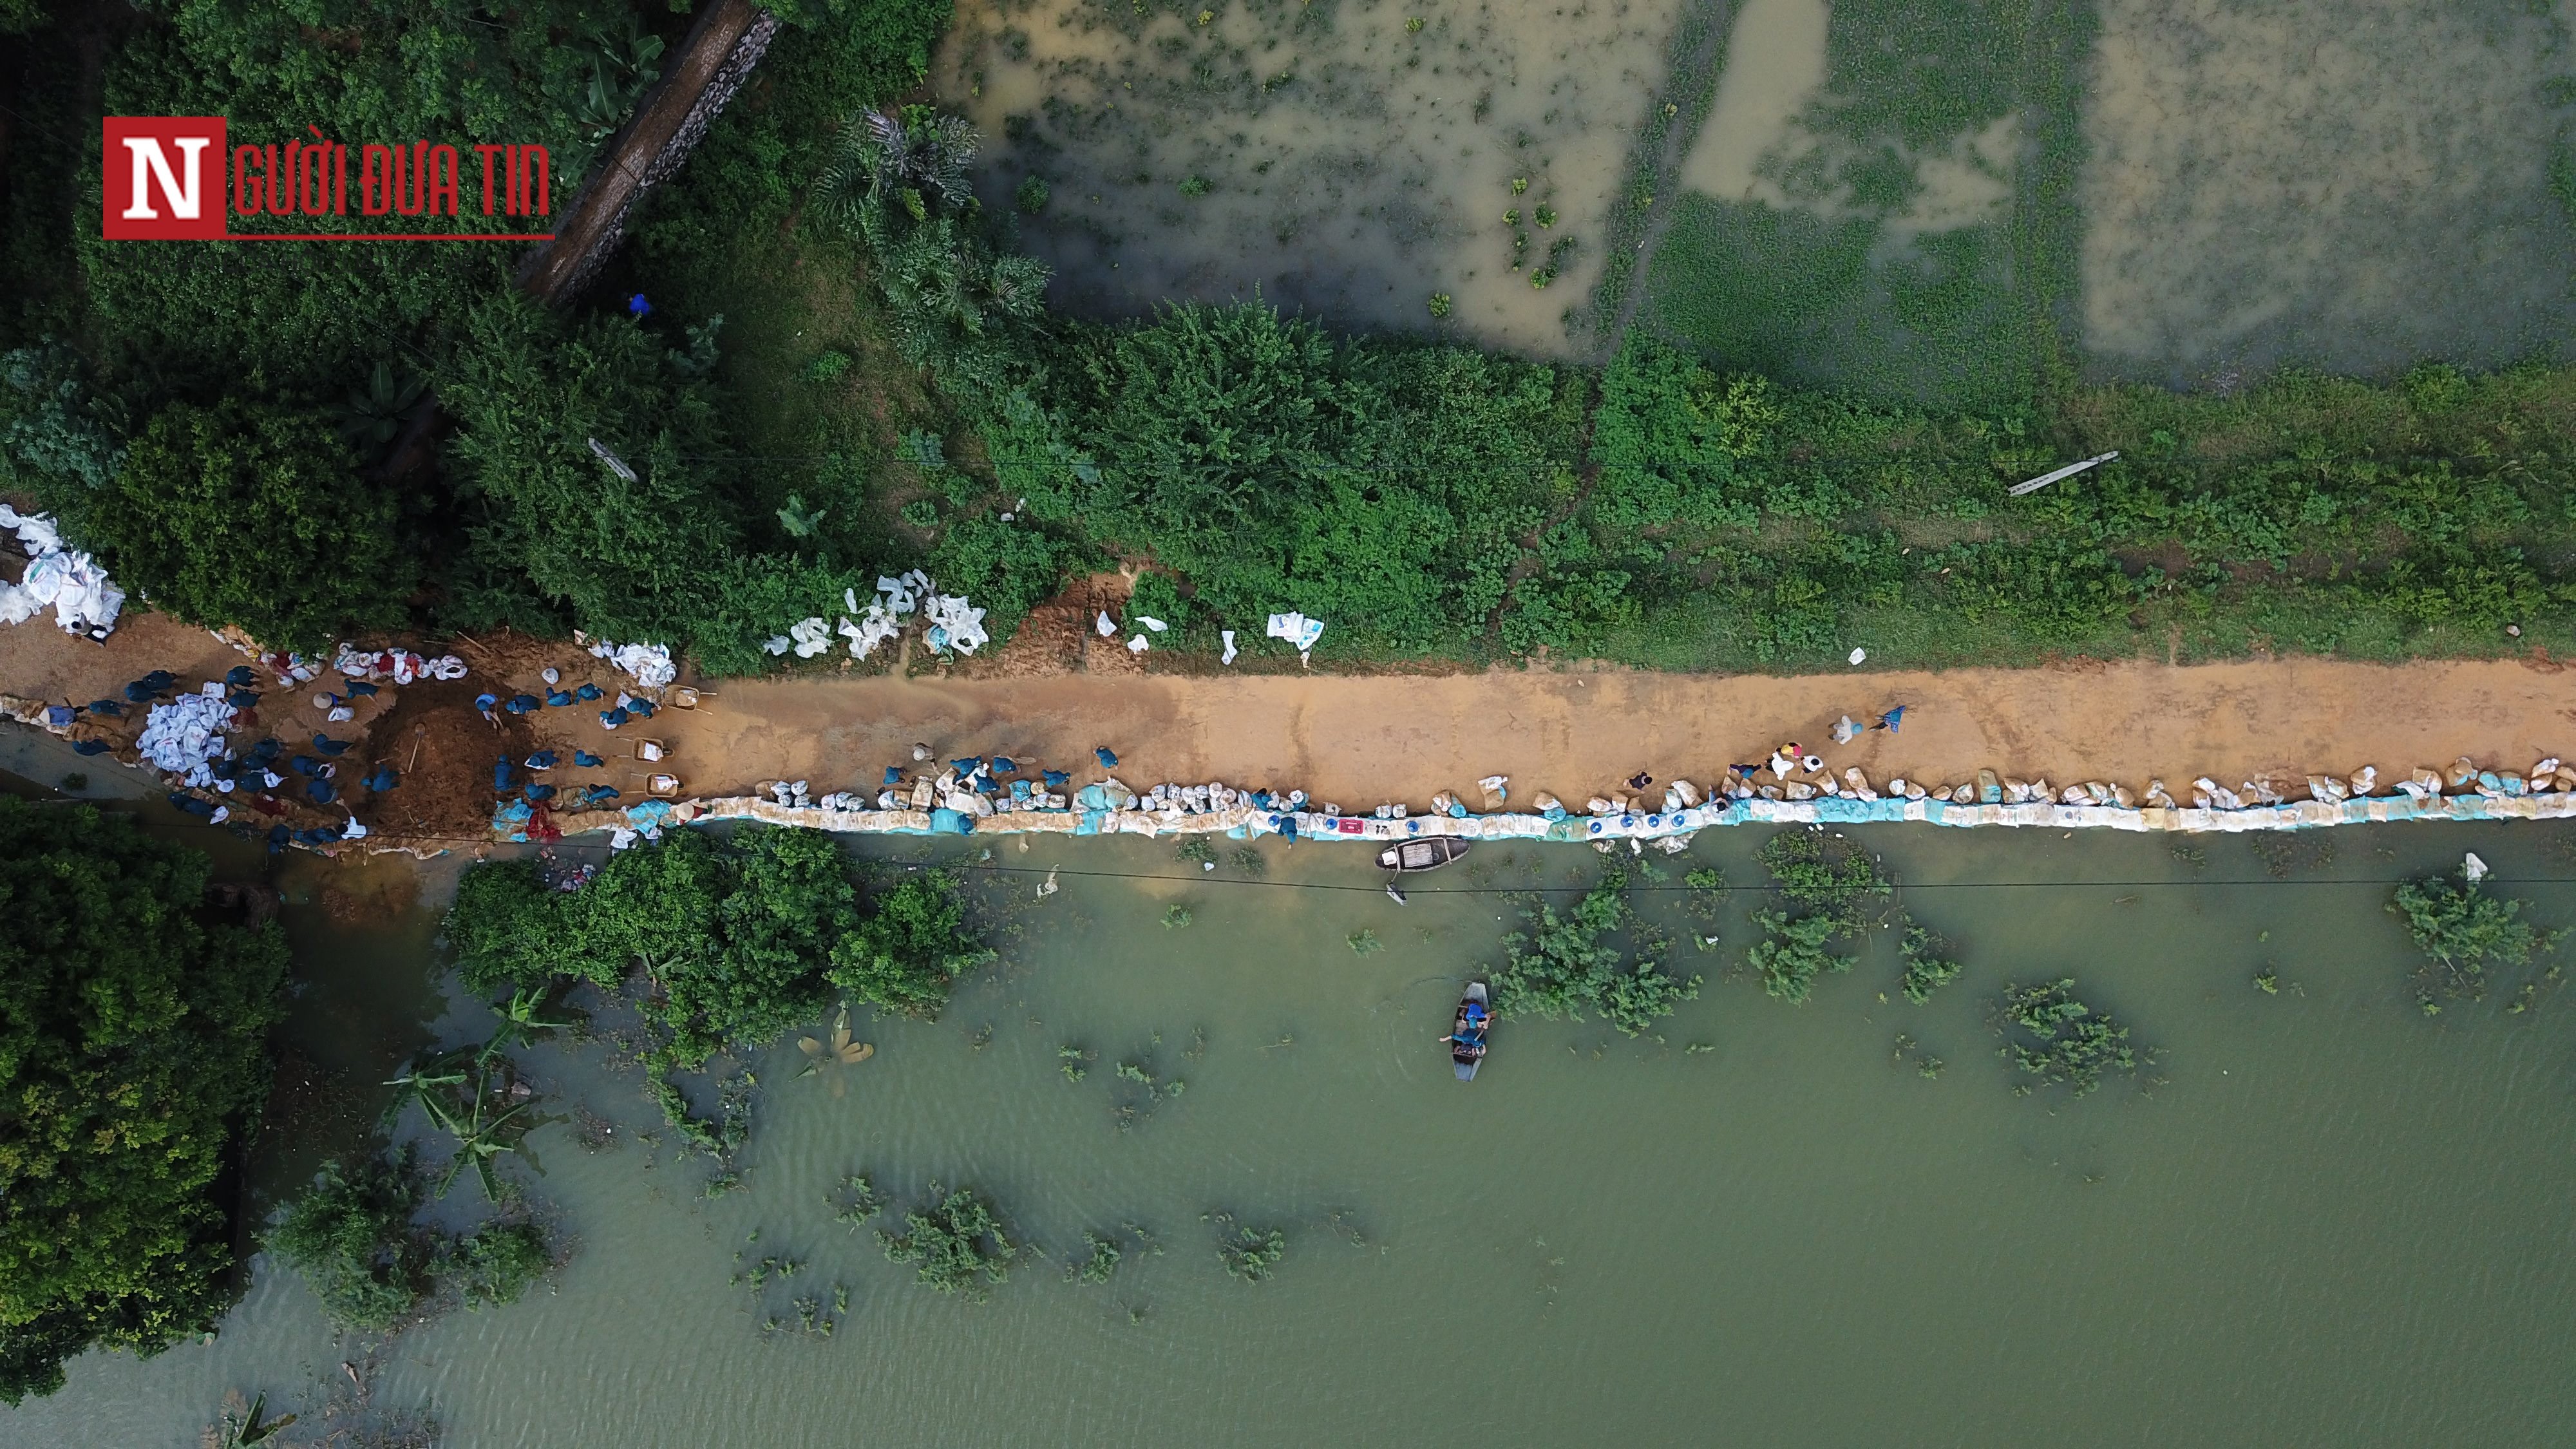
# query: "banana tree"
[[460, 1092], [838, 1054]]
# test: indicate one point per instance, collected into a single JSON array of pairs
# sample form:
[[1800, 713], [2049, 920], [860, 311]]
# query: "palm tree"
[[840, 1053], [915, 156]]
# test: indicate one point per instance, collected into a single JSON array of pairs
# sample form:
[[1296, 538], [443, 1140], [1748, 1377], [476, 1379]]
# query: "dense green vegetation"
[[735, 939], [885, 386], [133, 1051], [2462, 931], [1561, 966]]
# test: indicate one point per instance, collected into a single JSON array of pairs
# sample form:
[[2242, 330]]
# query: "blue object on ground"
[[894, 775], [107, 707], [278, 835], [542, 760], [559, 698], [613, 717], [587, 691], [180, 799], [501, 773], [330, 746], [967, 766], [1055, 778], [539, 792], [1005, 765], [240, 677], [383, 779], [1108, 760], [524, 704], [89, 747], [60, 716], [307, 766], [317, 836], [358, 687], [636, 306], [320, 792], [642, 707], [587, 760], [597, 793], [1892, 719], [243, 699]]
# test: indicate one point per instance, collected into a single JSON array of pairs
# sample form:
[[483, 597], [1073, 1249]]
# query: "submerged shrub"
[[1926, 969], [2068, 1043], [1559, 966], [2462, 930], [958, 1245], [1251, 1253], [349, 1233]]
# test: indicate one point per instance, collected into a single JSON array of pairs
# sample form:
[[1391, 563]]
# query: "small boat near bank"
[[1466, 1036], [1429, 853]]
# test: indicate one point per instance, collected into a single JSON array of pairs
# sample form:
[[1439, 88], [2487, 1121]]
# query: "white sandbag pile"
[[67, 581], [186, 732]]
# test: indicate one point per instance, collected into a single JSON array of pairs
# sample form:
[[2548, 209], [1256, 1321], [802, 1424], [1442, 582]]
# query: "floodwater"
[[2335, 1222], [1348, 158], [2353, 186]]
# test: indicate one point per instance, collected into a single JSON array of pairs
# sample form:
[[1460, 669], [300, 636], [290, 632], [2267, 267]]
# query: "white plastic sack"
[[650, 664], [1228, 636], [1150, 622], [1106, 626], [954, 625], [1297, 629]]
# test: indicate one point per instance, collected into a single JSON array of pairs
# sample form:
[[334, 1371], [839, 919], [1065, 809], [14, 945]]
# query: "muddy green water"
[[2337, 1223]]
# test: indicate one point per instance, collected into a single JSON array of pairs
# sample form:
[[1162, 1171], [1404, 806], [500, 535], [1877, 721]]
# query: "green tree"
[[913, 944], [349, 1232], [133, 1044], [2462, 930], [251, 514], [620, 545]]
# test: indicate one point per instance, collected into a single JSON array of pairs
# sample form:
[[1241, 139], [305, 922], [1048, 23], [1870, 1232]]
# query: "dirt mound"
[[443, 749]]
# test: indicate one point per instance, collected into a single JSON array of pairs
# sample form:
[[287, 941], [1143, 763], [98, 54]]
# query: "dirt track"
[[1357, 741]]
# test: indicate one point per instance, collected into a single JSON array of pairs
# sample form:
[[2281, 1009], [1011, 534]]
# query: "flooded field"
[[1843, 213], [2328, 1220], [1349, 158], [2348, 186]]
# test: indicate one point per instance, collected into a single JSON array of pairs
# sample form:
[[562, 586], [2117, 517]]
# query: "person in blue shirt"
[[893, 775], [1056, 779], [587, 692], [542, 760], [501, 774], [108, 707], [1108, 760], [383, 779], [1890, 720], [240, 677], [485, 702], [320, 792], [586, 759], [358, 687], [559, 698], [524, 704], [612, 718], [330, 746], [539, 792]]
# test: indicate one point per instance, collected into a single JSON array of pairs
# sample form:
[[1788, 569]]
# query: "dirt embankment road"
[[1357, 741]]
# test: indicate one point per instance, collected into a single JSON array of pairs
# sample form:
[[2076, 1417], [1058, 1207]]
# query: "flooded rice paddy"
[[2348, 186], [1911, 199], [2332, 1221], [1349, 158]]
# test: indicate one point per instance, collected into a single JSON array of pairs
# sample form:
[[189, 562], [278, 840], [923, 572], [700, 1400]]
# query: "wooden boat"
[[1466, 1036], [1429, 853]]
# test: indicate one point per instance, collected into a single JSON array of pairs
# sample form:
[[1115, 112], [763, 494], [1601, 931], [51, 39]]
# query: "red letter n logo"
[[159, 170]]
